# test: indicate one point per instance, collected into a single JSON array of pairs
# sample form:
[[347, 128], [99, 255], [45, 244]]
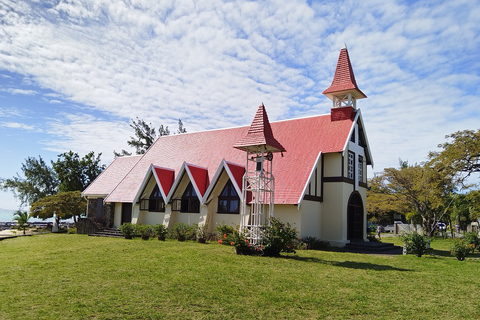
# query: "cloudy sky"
[[73, 73]]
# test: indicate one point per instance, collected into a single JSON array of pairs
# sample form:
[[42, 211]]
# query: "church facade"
[[319, 169]]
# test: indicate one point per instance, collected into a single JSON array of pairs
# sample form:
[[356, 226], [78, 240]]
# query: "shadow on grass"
[[347, 264]]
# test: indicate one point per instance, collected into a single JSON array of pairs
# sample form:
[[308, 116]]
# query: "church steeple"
[[260, 135], [344, 90]]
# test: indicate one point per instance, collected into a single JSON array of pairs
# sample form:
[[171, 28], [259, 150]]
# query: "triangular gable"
[[198, 176], [358, 119], [235, 173], [312, 172], [164, 178]]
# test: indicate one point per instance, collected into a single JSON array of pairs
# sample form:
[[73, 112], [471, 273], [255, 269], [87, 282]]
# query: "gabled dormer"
[[152, 195], [344, 91], [187, 192]]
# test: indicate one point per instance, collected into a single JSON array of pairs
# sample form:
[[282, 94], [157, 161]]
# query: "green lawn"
[[60, 276]]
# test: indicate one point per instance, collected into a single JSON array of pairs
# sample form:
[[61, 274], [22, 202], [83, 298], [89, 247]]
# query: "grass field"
[[60, 276]]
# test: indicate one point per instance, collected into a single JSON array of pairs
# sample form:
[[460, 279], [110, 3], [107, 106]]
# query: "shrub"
[[181, 230], [224, 230], [416, 243], [72, 230], [201, 232], [472, 240], [312, 243], [461, 249], [241, 243], [161, 231], [277, 237], [372, 238], [128, 229], [145, 231]]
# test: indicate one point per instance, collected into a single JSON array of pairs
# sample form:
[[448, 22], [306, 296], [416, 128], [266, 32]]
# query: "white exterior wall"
[[310, 214], [334, 212], [117, 218], [333, 164], [214, 218]]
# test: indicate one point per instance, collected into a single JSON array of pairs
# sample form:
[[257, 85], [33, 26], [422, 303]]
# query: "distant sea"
[[6, 215]]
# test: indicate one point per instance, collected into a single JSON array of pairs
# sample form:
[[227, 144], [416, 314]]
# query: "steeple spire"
[[260, 135], [344, 90]]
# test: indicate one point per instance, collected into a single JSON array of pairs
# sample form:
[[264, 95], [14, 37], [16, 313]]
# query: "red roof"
[[344, 79], [304, 139], [111, 176], [237, 172], [199, 177], [165, 178], [260, 134]]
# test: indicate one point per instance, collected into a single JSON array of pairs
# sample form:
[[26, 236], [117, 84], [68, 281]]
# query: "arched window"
[[155, 202], [228, 200], [190, 202]]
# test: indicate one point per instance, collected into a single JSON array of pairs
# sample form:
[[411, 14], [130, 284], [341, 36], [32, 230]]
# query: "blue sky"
[[73, 73]]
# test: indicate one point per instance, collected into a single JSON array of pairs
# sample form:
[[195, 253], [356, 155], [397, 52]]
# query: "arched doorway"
[[355, 217]]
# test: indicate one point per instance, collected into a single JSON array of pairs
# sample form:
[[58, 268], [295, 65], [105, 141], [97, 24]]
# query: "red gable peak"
[[344, 79], [260, 134]]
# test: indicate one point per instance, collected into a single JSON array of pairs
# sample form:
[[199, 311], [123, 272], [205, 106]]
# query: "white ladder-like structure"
[[259, 188], [258, 181]]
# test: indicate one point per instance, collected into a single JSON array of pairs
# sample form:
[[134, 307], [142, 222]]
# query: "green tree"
[[181, 129], [146, 135], [22, 219], [473, 198], [422, 188], [64, 205], [381, 203], [75, 173], [457, 210], [39, 181], [459, 157]]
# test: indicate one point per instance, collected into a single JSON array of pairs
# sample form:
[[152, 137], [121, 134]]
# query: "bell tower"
[[258, 181], [344, 91]]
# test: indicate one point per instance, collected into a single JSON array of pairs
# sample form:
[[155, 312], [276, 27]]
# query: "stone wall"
[[86, 226], [108, 212]]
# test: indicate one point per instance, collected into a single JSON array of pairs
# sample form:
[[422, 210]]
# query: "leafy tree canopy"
[[459, 157], [75, 173], [40, 181], [64, 205], [69, 173], [419, 188], [382, 204]]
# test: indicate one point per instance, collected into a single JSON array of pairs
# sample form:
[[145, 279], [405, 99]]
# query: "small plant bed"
[[439, 247]]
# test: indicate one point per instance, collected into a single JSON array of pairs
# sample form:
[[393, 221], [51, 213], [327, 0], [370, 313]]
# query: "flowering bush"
[[223, 231], [242, 245], [278, 237], [460, 249], [472, 239], [415, 243]]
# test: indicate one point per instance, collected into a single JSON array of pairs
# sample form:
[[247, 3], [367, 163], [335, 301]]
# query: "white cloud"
[[21, 91], [211, 63], [17, 125]]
